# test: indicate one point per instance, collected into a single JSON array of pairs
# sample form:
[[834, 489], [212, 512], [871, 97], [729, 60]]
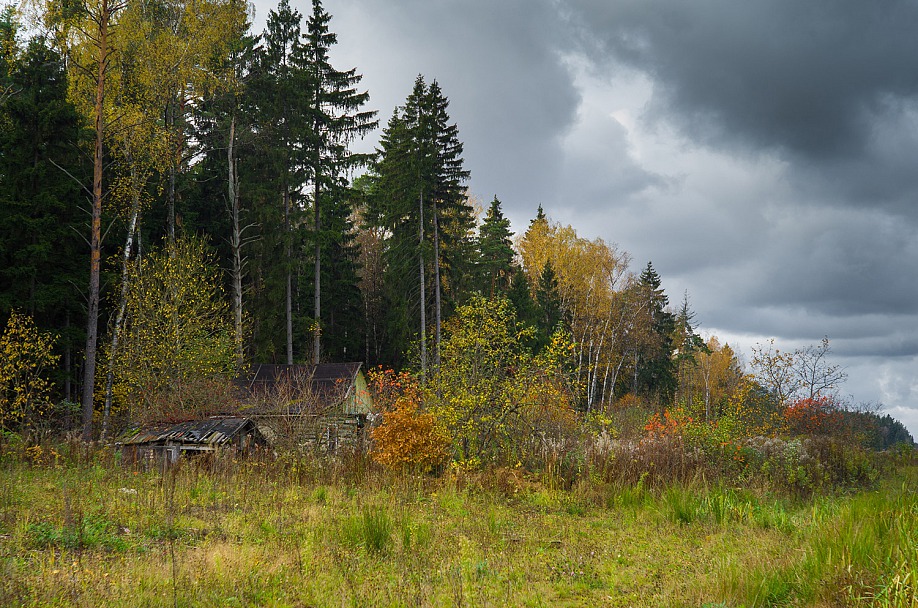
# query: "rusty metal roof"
[[212, 431]]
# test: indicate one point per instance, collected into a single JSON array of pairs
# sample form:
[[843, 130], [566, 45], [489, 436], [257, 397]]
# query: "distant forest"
[[179, 199]]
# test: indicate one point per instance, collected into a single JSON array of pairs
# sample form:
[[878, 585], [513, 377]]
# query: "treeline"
[[144, 146]]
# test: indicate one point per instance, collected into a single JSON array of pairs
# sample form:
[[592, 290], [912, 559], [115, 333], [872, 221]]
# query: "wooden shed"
[[170, 441], [326, 405]]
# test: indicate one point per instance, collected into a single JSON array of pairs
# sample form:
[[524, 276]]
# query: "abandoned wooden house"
[[169, 442], [322, 406]]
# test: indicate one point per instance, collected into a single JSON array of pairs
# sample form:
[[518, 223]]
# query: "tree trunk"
[[119, 319], [289, 292], [436, 245], [170, 194], [317, 304], [232, 180], [423, 291], [95, 241], [68, 390]]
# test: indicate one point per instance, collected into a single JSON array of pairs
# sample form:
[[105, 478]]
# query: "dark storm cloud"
[[810, 77], [500, 63], [825, 89], [762, 154]]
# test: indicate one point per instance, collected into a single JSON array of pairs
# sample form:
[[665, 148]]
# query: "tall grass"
[[83, 531], [858, 550]]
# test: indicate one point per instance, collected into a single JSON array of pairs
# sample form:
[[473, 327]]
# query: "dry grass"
[[85, 532]]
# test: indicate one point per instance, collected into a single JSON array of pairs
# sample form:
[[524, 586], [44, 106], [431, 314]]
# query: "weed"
[[681, 505], [372, 530]]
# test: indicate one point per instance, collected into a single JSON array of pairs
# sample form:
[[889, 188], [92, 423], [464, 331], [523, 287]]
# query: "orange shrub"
[[388, 386], [410, 439], [814, 416], [672, 423]]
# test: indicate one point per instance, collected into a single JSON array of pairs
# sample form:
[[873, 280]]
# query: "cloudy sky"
[[763, 155]]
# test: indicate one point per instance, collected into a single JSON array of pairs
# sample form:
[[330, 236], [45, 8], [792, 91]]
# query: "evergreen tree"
[[687, 344], [280, 88], [548, 300], [495, 252], [419, 197], [655, 372], [40, 246], [452, 215], [336, 119]]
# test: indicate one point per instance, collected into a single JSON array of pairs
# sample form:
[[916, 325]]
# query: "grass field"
[[84, 531]]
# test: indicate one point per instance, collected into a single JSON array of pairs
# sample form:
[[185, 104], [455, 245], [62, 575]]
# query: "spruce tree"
[[281, 100], [656, 371], [419, 198], [548, 301], [336, 119], [495, 251]]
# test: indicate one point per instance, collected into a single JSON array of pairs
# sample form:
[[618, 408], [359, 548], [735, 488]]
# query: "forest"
[[180, 201]]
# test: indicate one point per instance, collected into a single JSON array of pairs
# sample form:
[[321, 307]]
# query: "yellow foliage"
[[497, 401], [598, 298], [25, 354], [410, 439], [177, 333]]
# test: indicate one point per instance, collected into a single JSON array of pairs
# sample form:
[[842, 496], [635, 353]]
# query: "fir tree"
[[495, 251], [336, 119]]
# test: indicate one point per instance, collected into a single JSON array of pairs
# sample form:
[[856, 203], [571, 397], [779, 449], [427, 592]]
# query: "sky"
[[762, 155]]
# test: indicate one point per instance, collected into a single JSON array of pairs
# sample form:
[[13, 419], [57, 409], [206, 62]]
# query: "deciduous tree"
[[26, 355], [178, 330]]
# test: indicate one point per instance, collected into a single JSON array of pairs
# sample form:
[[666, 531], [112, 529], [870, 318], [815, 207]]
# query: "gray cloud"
[[500, 63], [760, 153], [810, 77]]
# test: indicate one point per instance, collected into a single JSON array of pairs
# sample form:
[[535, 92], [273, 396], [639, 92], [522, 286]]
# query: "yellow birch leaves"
[[25, 354]]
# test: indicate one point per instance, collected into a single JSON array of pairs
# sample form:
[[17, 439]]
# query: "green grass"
[[258, 533]]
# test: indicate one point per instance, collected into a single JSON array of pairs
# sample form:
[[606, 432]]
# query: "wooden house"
[[170, 441], [321, 406]]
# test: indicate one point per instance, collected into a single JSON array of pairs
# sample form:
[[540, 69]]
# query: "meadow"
[[79, 529]]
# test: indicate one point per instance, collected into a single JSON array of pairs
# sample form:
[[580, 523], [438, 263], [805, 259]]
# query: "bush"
[[25, 355], [410, 439], [810, 464]]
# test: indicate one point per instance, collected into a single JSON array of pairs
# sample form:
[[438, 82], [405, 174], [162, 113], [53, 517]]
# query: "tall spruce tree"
[[452, 215], [655, 371], [548, 300], [495, 252], [419, 197], [281, 101], [336, 120]]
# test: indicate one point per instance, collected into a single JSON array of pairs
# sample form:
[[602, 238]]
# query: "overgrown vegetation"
[[79, 529]]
